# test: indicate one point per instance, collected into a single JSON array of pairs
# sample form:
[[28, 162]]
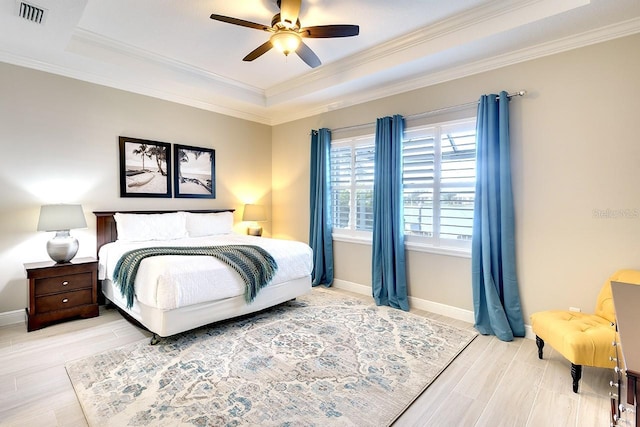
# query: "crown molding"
[[480, 20], [274, 115], [610, 32], [240, 112], [91, 39]]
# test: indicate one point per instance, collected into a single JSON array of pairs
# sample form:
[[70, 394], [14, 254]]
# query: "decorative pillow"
[[208, 224], [143, 227]]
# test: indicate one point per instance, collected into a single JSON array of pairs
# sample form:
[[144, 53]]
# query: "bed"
[[175, 293]]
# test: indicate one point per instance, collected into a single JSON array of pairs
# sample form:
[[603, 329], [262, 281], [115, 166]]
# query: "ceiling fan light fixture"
[[286, 41], [287, 33]]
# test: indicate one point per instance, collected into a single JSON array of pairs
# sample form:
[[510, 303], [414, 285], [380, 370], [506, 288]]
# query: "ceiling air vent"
[[31, 12]]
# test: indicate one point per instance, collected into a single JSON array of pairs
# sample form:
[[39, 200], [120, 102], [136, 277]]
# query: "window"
[[352, 167], [438, 184]]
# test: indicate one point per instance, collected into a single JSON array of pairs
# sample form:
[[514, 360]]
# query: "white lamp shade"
[[61, 217], [253, 213]]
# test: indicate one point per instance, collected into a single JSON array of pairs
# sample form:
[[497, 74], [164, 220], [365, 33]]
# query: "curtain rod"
[[432, 112]]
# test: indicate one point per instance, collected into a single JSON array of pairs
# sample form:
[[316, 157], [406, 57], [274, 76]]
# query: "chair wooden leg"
[[540, 344], [576, 374]]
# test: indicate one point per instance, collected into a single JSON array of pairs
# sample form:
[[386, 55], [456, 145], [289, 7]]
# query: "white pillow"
[[209, 224], [143, 227]]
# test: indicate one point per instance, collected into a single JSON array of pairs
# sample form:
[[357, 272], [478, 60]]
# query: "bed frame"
[[163, 323]]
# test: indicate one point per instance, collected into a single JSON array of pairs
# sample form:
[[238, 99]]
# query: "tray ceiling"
[[170, 49]]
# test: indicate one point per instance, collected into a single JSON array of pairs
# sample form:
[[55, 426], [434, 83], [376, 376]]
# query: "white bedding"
[[169, 282]]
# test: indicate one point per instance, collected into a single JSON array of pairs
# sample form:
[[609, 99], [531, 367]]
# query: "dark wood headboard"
[[106, 231]]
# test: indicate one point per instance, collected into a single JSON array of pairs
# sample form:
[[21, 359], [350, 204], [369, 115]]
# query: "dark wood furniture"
[[624, 400], [632, 396], [61, 291]]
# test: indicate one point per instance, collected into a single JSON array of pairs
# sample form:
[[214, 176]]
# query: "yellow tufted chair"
[[584, 339]]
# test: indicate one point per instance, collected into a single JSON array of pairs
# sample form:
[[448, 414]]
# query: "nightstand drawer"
[[66, 283], [60, 292], [63, 300]]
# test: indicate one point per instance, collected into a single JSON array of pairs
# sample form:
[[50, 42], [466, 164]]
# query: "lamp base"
[[63, 247], [254, 231]]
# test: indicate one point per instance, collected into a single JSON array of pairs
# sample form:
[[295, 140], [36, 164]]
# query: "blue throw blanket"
[[255, 265]]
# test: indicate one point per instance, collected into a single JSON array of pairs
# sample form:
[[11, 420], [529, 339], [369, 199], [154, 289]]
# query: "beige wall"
[[575, 153], [59, 143]]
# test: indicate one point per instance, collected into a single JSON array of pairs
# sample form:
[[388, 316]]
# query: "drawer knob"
[[65, 283], [65, 300]]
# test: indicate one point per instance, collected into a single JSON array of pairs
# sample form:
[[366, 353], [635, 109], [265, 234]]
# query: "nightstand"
[[61, 291]]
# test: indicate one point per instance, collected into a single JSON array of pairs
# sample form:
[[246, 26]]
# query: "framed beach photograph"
[[145, 168], [194, 169]]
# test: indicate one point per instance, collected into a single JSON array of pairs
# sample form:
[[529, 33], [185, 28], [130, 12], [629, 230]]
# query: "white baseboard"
[[422, 304], [18, 316], [12, 317], [352, 287], [528, 332], [442, 309]]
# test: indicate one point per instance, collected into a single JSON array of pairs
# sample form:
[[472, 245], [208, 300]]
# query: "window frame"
[[435, 130], [351, 233], [431, 244]]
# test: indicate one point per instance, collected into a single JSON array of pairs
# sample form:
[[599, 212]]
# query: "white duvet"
[[173, 281]]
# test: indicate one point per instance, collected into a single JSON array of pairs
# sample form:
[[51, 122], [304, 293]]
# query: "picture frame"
[[194, 172], [145, 168]]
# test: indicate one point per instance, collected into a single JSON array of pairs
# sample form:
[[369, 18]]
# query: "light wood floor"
[[491, 383]]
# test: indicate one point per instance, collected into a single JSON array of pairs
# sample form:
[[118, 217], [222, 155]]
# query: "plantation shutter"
[[418, 156], [364, 170], [458, 175], [340, 182]]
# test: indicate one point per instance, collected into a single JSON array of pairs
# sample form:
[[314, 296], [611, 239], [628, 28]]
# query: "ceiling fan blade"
[[259, 51], [329, 31], [306, 54], [289, 11], [240, 22]]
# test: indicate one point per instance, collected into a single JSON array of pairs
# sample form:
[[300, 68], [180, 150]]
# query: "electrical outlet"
[[576, 309]]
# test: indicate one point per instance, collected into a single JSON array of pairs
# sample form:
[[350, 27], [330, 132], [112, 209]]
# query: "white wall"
[[59, 143], [575, 153]]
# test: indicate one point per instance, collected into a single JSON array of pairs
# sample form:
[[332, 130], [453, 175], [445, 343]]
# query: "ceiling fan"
[[287, 32]]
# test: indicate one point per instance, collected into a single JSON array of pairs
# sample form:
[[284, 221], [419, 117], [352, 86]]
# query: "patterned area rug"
[[324, 359]]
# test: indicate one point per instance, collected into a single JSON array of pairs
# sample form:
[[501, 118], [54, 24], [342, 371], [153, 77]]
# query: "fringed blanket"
[[255, 265]]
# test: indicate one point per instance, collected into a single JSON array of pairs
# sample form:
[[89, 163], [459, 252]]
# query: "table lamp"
[[253, 214], [61, 218]]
